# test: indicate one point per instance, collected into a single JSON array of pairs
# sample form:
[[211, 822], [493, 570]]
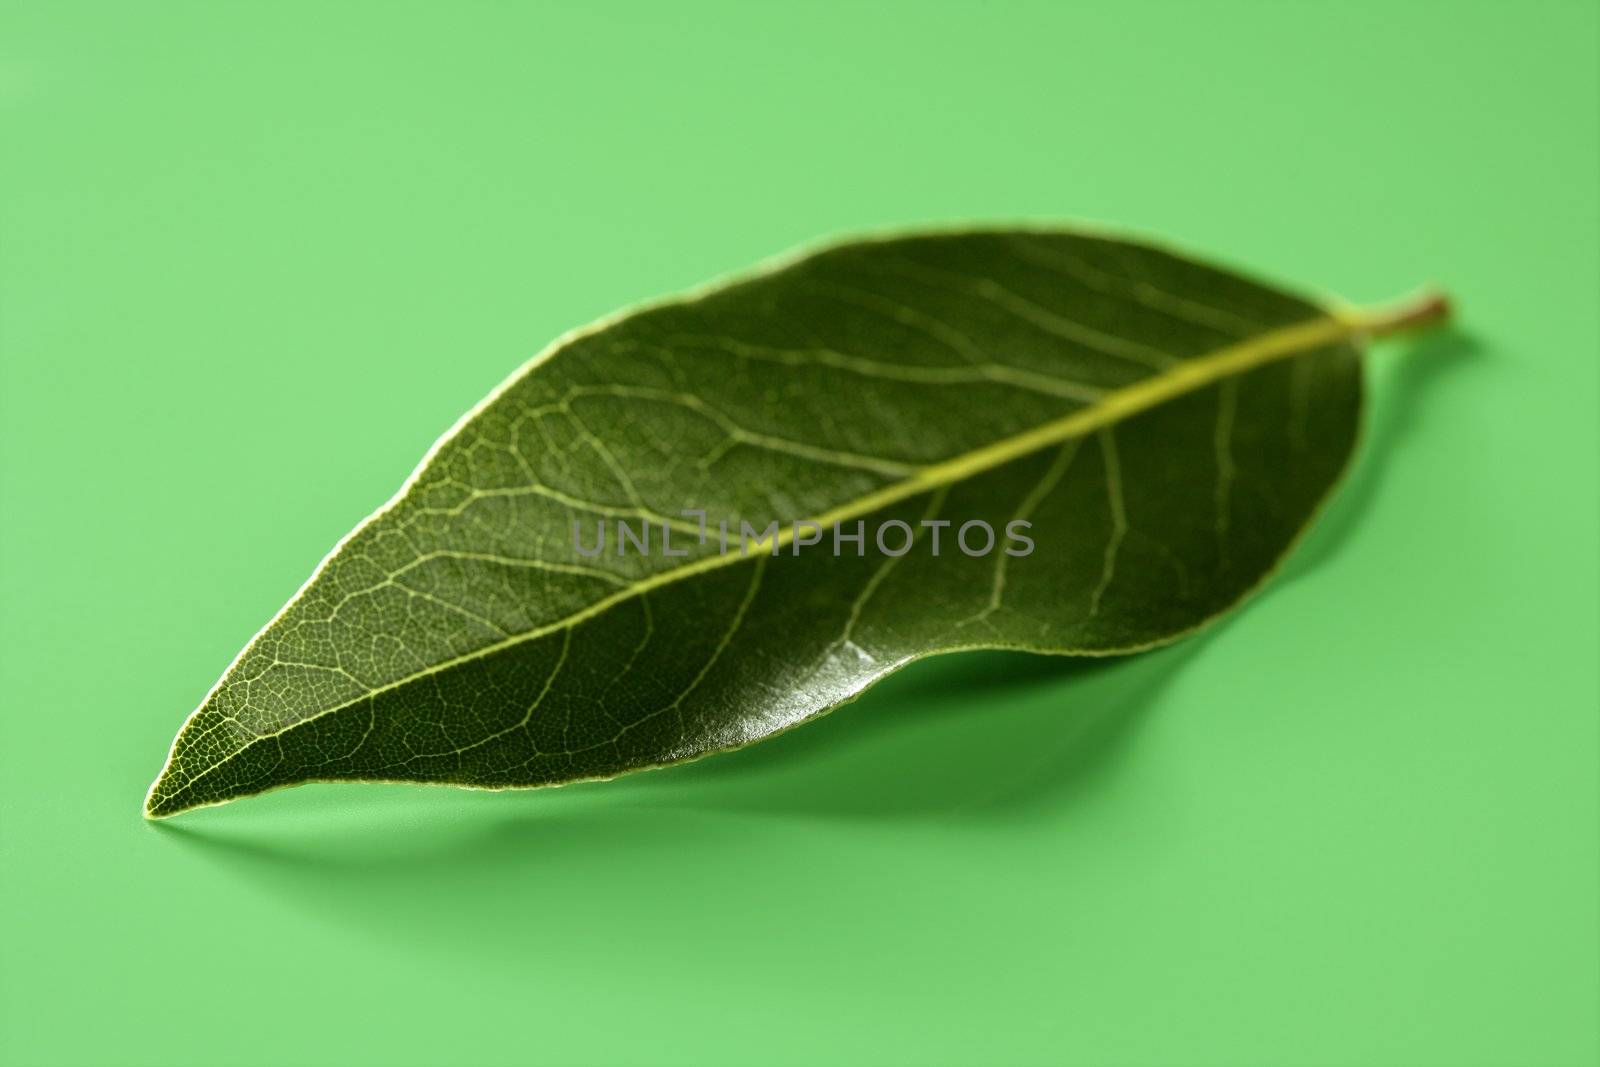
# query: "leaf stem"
[[1424, 311]]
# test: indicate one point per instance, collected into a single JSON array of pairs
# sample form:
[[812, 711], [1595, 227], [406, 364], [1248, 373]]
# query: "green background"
[[254, 258]]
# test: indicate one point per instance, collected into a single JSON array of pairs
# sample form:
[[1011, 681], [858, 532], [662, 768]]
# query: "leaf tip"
[[160, 803], [152, 808]]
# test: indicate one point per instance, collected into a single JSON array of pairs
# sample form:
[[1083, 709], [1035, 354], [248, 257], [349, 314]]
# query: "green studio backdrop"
[[255, 257]]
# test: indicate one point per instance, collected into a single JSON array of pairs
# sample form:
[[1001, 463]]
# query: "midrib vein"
[[1175, 381]]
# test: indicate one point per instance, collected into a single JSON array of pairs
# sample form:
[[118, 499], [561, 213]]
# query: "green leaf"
[[1165, 429]]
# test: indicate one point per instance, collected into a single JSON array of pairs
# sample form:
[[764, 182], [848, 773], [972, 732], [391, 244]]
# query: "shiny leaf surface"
[[1162, 430]]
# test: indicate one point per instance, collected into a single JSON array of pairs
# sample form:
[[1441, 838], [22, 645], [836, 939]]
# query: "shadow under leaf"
[[1394, 411]]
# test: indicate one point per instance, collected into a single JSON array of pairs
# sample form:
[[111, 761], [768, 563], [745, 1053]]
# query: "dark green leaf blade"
[[1167, 428]]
